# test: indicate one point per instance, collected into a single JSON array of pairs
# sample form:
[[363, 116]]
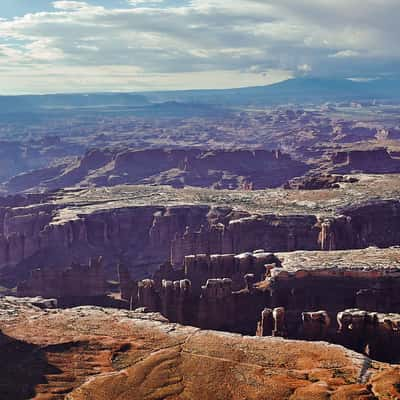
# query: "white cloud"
[[201, 38], [345, 54], [43, 50], [144, 2], [70, 5], [41, 79], [306, 68]]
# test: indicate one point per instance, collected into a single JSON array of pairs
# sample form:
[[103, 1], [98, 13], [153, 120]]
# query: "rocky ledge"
[[146, 226], [98, 354]]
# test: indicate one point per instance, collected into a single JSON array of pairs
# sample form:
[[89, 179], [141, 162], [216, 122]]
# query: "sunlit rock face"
[[100, 353], [60, 228], [297, 295], [219, 169]]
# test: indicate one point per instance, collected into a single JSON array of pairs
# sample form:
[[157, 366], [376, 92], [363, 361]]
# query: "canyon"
[[219, 169], [347, 297], [235, 148], [144, 227], [211, 253], [323, 266], [216, 169]]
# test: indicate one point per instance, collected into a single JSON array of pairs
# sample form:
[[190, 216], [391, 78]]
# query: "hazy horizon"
[[150, 45]]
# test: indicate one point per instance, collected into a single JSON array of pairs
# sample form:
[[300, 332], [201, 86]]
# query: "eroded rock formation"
[[96, 353], [292, 295], [369, 161], [219, 169], [43, 231], [76, 282], [318, 182]]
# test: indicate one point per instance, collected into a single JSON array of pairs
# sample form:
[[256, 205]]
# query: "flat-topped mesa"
[[200, 268], [370, 161], [369, 273], [20, 231], [361, 156], [337, 280], [144, 236], [373, 223], [78, 283], [33, 236], [272, 233], [170, 221], [222, 169], [318, 182], [298, 294]]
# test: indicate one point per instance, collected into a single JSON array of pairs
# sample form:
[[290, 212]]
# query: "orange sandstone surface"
[[91, 353]]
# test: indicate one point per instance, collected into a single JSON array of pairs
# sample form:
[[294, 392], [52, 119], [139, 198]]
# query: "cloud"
[[304, 68], [345, 54], [144, 2], [70, 5], [159, 41]]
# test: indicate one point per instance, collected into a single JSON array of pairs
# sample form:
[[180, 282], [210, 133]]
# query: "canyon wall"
[[376, 161], [256, 294], [199, 268], [143, 237], [219, 169], [216, 306], [77, 282]]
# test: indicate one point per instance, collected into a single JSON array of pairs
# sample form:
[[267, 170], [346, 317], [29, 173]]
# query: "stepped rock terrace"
[[72, 202]]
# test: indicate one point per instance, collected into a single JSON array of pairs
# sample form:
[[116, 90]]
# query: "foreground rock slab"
[[94, 354]]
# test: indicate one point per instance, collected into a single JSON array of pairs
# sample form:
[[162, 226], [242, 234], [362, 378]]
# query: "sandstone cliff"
[[103, 354], [220, 169], [77, 282], [296, 294], [143, 237], [369, 161]]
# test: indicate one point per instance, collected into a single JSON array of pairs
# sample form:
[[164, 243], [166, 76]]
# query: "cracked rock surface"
[[91, 353]]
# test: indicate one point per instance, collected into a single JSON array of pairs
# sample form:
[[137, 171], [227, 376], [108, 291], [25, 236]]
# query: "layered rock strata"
[[370, 161], [97, 353], [219, 169], [297, 295], [78, 284], [47, 232]]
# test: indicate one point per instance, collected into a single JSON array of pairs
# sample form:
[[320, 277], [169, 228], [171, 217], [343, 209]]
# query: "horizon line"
[[142, 92]]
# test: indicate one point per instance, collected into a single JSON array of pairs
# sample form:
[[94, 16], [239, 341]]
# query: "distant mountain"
[[299, 91], [183, 102], [38, 102]]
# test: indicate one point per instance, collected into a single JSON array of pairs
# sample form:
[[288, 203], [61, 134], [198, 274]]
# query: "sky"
[[140, 45]]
